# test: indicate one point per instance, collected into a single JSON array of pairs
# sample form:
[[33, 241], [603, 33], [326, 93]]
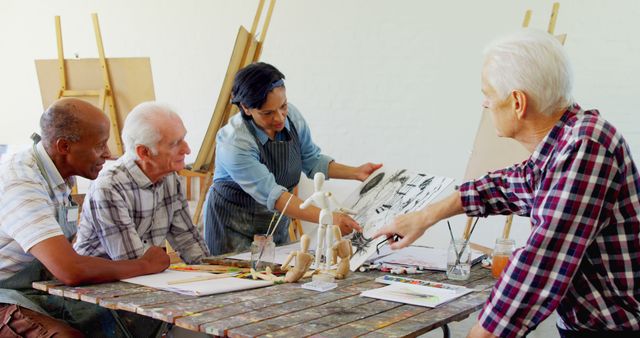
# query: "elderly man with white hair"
[[579, 188], [138, 203]]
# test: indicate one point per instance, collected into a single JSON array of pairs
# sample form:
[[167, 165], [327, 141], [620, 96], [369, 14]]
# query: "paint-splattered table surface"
[[286, 310]]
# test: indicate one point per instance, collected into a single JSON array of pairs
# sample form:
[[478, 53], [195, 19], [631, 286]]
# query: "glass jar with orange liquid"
[[501, 254]]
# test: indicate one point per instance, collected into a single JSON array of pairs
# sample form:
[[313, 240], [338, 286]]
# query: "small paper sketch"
[[414, 294], [386, 194], [421, 257], [411, 295]]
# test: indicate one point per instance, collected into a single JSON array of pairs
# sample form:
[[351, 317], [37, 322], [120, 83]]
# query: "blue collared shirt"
[[238, 157]]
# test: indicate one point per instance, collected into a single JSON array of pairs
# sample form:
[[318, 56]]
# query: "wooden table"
[[286, 310]]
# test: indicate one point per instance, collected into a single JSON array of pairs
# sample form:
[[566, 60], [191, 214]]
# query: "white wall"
[[389, 81]]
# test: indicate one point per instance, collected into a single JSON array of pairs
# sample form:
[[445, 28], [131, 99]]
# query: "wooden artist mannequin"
[[303, 261], [322, 200], [266, 275], [341, 249]]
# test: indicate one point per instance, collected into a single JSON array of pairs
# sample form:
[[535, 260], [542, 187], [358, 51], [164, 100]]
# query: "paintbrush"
[[207, 267], [270, 223], [279, 218], [201, 278]]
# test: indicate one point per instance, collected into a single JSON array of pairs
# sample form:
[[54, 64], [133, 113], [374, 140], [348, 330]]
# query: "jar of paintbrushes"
[[263, 252], [459, 260], [459, 253], [263, 248]]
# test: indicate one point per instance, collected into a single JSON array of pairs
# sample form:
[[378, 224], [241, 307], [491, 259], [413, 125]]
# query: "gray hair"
[[60, 121], [142, 127], [534, 62]]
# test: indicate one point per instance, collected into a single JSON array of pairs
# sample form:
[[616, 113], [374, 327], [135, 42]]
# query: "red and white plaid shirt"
[[580, 189]]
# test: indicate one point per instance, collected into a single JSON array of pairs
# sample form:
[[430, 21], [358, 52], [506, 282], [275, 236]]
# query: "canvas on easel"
[[246, 50], [491, 152], [132, 83], [116, 85]]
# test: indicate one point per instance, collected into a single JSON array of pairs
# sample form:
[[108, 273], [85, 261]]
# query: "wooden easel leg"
[[61, 67], [202, 195], [102, 100], [467, 228], [188, 185], [256, 19], [292, 232], [109, 95], [553, 18], [507, 227], [295, 230], [295, 226]]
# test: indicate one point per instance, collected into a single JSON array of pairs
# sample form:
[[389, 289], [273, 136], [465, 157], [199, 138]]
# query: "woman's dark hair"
[[252, 84]]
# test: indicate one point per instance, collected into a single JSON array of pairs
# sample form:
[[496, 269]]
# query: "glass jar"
[[263, 252], [501, 254], [459, 260]]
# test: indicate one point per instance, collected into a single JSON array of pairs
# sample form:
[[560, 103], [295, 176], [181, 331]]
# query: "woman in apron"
[[260, 155]]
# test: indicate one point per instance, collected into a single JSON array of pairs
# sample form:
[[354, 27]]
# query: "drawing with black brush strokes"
[[386, 194], [360, 243]]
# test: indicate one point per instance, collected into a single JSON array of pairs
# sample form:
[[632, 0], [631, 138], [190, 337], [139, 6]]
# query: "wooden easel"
[[104, 95], [295, 227], [487, 144], [247, 49]]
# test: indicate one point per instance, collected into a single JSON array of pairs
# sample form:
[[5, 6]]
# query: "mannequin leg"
[[329, 240], [322, 229]]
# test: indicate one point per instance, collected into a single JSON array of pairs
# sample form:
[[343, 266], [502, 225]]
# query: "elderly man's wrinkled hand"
[[408, 227]]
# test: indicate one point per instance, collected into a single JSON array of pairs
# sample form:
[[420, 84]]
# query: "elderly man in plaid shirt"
[[138, 203], [579, 188]]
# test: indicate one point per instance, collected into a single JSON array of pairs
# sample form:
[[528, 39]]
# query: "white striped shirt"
[[27, 212]]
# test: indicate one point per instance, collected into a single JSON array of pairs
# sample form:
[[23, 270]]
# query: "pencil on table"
[[201, 278]]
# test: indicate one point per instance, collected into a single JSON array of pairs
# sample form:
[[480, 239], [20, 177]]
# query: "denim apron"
[[233, 216], [91, 319]]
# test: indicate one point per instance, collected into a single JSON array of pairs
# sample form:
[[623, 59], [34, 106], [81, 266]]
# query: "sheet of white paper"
[[386, 194], [199, 288], [422, 257], [414, 294]]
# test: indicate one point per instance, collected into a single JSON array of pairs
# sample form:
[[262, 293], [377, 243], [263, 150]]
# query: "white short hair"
[[534, 62], [141, 126]]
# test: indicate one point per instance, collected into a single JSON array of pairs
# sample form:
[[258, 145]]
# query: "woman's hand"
[[362, 172], [346, 223]]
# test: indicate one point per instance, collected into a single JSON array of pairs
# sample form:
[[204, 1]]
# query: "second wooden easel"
[[104, 95], [247, 49]]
